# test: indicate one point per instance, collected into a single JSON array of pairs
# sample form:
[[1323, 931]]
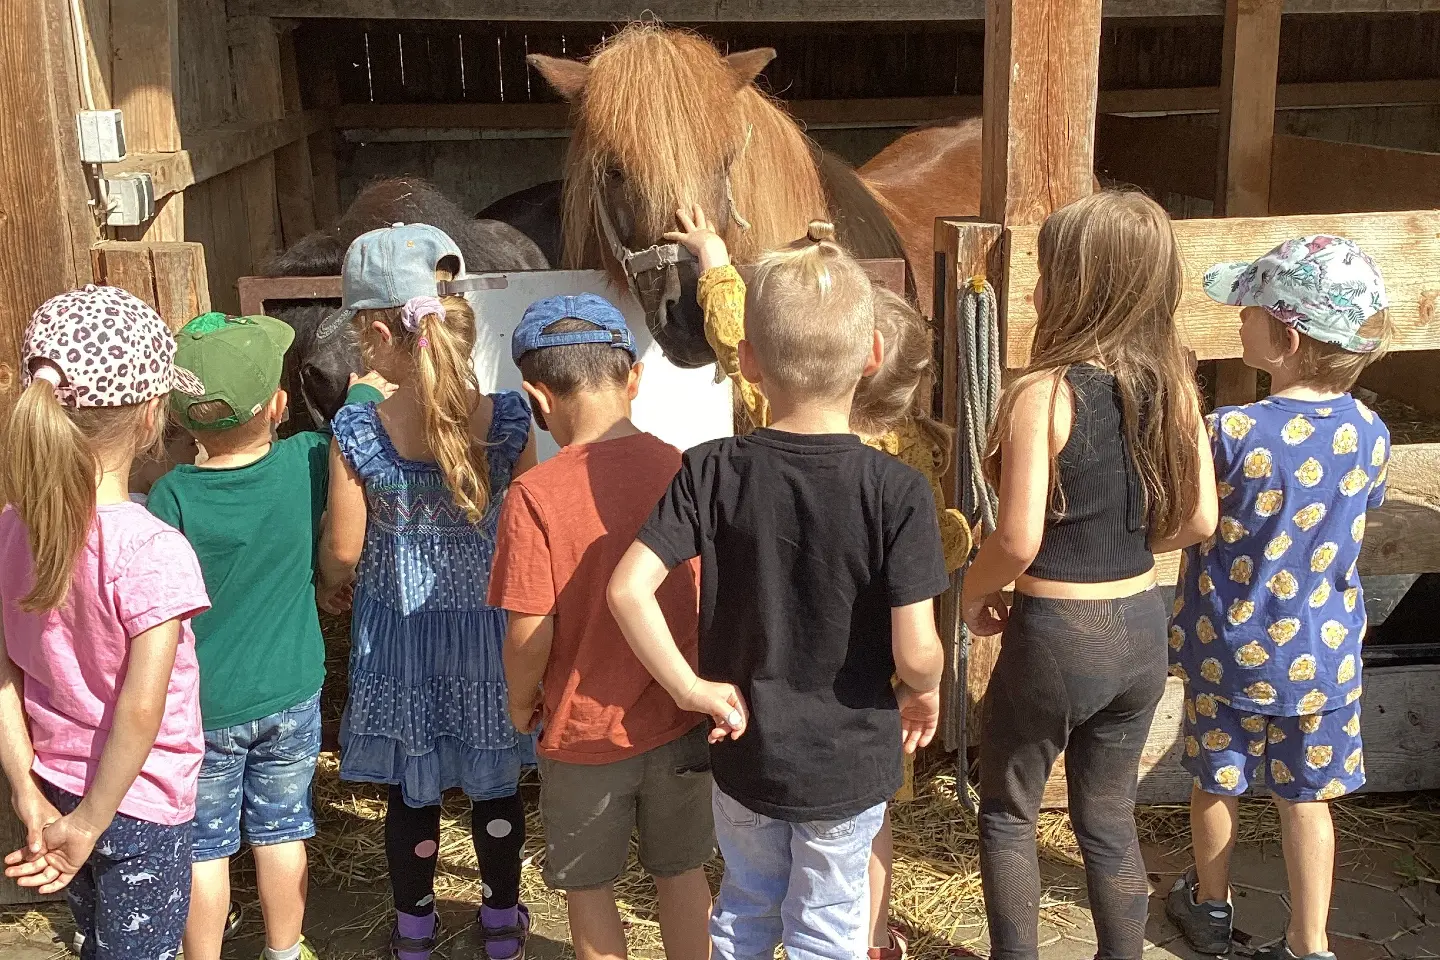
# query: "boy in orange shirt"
[[616, 752]]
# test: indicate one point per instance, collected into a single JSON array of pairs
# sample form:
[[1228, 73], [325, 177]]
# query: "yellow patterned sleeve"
[[721, 294], [914, 449]]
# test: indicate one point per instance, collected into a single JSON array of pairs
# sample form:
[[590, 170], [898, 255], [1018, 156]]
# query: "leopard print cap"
[[110, 347]]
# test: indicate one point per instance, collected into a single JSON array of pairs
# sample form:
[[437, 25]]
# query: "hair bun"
[[820, 231]]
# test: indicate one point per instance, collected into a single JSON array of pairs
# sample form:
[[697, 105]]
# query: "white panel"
[[681, 407]]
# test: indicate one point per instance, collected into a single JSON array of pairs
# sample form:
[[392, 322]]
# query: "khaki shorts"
[[590, 812]]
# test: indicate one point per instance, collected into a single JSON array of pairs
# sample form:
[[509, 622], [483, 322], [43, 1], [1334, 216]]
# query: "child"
[[1100, 462], [99, 721], [252, 512], [1269, 616], [614, 741], [820, 559], [890, 413], [416, 484]]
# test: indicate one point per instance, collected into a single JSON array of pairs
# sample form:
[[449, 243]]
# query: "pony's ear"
[[747, 64], [567, 77]]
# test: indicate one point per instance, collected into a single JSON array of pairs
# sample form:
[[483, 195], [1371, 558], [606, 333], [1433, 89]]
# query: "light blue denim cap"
[[386, 267]]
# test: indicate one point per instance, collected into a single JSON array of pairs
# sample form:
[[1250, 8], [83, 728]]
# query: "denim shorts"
[[255, 782]]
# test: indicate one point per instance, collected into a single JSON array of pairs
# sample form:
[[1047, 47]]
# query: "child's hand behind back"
[[919, 716], [722, 703], [697, 236]]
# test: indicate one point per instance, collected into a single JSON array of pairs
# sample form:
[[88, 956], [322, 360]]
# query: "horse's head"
[[661, 121]]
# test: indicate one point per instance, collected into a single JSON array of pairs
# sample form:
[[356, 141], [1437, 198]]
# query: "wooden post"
[[294, 174], [1249, 68], [255, 66], [1042, 67], [145, 71]]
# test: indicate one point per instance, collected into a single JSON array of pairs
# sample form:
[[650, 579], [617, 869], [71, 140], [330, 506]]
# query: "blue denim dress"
[[428, 708]]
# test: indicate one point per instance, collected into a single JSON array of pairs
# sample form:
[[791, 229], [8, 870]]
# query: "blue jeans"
[[800, 884], [256, 780]]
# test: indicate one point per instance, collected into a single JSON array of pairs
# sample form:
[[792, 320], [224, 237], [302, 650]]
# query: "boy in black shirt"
[[819, 561]]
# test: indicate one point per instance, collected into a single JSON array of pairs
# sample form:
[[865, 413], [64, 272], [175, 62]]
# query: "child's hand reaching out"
[[722, 703], [919, 716], [697, 236]]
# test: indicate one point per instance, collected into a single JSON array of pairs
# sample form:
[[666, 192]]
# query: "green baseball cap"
[[242, 357]]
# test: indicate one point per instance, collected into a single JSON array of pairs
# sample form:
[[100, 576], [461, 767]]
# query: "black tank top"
[[1101, 533]]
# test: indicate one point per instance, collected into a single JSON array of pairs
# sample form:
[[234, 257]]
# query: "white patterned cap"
[[1325, 287], [109, 347]]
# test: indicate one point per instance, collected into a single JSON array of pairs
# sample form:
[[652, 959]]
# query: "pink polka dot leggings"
[[412, 838]]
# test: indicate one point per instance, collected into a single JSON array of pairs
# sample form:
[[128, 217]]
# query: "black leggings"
[[412, 837], [1082, 676]]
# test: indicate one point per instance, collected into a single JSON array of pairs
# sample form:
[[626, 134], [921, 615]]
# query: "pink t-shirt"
[[134, 574]]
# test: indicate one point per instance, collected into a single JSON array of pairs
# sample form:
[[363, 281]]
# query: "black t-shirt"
[[805, 543]]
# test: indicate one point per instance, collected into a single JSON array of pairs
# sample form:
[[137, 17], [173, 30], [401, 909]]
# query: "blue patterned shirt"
[[1269, 615]]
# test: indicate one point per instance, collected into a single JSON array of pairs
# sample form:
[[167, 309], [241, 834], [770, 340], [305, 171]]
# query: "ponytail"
[[810, 315], [49, 476], [447, 386]]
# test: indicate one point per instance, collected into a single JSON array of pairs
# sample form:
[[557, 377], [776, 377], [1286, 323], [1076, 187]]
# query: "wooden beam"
[[145, 37], [209, 154], [1405, 244], [722, 11], [1250, 60], [169, 276], [964, 248], [1041, 78]]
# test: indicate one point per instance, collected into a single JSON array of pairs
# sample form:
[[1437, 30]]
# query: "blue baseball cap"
[[609, 325], [387, 267]]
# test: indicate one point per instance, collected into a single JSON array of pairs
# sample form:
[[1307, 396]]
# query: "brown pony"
[[662, 120]]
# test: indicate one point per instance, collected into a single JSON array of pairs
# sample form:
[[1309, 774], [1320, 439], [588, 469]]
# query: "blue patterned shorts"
[[256, 780], [1314, 757], [131, 898]]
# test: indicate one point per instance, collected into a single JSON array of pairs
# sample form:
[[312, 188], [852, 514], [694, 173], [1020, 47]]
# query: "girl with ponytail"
[[416, 483], [100, 734], [890, 411]]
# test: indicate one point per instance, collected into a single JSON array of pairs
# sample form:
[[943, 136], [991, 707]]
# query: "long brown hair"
[[440, 354], [901, 389], [54, 455], [1110, 282]]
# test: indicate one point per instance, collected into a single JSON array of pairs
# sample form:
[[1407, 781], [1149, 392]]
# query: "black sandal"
[[424, 945], [516, 931]]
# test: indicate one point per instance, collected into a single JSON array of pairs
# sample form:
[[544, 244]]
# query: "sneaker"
[[897, 950], [1207, 926], [307, 952], [498, 940], [1282, 951]]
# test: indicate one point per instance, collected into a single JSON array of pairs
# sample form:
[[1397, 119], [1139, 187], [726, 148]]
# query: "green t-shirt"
[[255, 529]]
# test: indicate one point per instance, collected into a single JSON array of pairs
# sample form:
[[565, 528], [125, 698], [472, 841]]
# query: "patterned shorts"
[[1314, 757], [256, 781], [131, 898]]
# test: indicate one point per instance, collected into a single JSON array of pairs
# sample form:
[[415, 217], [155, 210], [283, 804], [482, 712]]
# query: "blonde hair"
[[1110, 282], [54, 455], [1327, 366], [810, 316], [440, 353], [901, 389]]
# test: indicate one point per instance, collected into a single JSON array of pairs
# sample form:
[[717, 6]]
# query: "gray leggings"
[[1082, 676]]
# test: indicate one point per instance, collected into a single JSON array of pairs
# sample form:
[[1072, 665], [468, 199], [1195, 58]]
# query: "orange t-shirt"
[[564, 527]]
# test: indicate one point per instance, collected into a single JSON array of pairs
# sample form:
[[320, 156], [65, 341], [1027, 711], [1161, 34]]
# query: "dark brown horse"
[[661, 119]]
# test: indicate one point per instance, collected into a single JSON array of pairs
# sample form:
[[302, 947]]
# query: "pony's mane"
[[665, 107]]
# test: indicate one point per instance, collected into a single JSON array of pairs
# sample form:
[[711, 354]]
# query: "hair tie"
[[422, 343], [820, 231], [417, 309], [52, 375]]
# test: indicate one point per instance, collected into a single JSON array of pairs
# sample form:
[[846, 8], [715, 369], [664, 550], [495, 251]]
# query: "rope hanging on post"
[[979, 355]]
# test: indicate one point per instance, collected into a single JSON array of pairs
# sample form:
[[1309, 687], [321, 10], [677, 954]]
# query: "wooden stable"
[[252, 119], [1040, 125]]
